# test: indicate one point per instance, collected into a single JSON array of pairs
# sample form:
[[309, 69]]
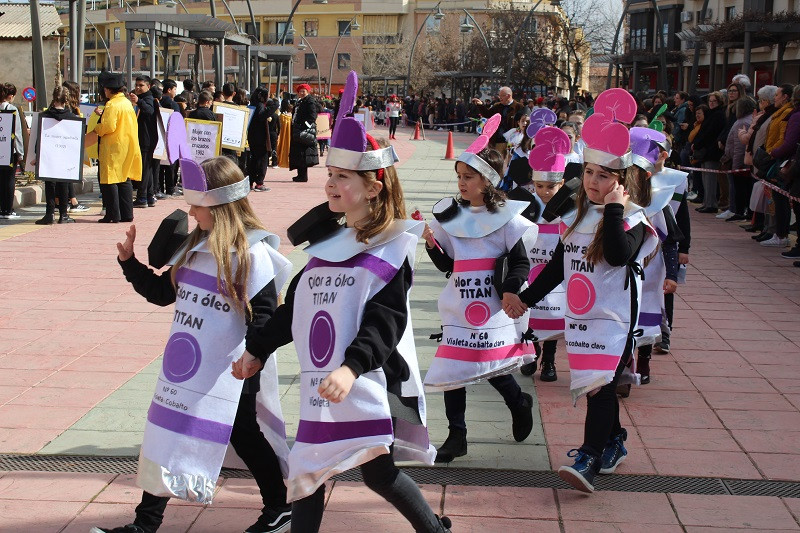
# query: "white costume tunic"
[[479, 341], [602, 302], [669, 177], [190, 419], [329, 301], [547, 316]]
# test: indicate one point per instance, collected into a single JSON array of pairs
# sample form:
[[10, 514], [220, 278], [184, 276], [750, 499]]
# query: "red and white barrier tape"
[[714, 171]]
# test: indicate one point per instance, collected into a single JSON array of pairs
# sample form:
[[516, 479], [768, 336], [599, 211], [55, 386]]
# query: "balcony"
[[383, 39], [274, 38]]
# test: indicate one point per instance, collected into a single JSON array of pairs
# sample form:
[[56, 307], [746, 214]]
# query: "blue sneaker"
[[581, 474], [614, 454]]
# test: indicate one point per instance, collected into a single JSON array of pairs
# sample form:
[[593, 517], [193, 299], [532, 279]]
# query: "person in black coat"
[[302, 155], [146, 117], [203, 111], [258, 140], [169, 172], [274, 126]]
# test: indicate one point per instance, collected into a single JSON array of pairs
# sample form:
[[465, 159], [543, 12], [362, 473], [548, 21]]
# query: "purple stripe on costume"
[[189, 425], [274, 423], [661, 235], [376, 265], [412, 433], [322, 432], [200, 280], [649, 319]]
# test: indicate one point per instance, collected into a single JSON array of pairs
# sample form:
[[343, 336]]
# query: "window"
[[117, 34], [343, 60], [762, 6], [730, 12], [255, 31], [117, 62], [143, 60], [344, 27], [191, 61], [310, 28], [289, 35], [640, 22], [665, 31], [311, 61], [176, 62], [89, 63]]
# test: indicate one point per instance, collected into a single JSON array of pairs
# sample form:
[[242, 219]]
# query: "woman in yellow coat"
[[120, 158]]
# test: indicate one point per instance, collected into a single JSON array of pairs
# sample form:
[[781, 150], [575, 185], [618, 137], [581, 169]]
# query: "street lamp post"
[[438, 15], [302, 46], [352, 24]]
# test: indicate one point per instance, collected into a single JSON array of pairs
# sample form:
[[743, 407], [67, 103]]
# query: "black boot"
[[528, 369], [643, 366], [454, 446], [548, 371], [45, 220], [522, 418]]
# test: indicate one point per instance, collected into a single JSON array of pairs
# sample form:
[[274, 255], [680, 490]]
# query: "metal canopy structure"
[[265, 53], [460, 77], [191, 28]]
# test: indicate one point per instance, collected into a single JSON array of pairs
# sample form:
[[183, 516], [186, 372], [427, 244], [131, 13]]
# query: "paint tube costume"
[[547, 159], [342, 275], [478, 340], [646, 146], [602, 301], [191, 417]]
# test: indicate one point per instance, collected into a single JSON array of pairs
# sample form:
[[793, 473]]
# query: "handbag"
[[762, 161], [306, 136]]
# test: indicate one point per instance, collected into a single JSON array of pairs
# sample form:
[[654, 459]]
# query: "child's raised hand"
[[513, 305], [246, 366], [336, 386], [125, 250], [618, 195]]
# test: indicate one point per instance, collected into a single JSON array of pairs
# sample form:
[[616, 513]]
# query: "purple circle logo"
[[321, 339], [181, 357]]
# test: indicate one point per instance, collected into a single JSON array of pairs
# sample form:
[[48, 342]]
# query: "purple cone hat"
[[646, 146], [349, 140], [195, 185]]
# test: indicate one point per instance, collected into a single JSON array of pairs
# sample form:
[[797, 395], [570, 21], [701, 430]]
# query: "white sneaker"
[[12, 215], [776, 242], [725, 215], [691, 196]]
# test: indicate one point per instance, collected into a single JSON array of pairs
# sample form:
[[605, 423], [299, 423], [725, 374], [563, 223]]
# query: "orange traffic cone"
[[449, 153], [416, 132]]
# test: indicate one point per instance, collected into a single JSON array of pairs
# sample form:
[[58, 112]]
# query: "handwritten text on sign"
[[203, 139], [6, 131], [60, 149], [234, 123]]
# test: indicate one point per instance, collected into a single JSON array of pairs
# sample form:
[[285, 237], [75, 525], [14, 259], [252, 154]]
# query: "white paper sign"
[[33, 140], [161, 147], [6, 138], [59, 149], [204, 139], [235, 120]]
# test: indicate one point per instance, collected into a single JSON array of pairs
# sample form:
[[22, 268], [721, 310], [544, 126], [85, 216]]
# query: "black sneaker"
[[522, 418], [528, 369], [548, 372], [277, 520], [140, 203], [581, 473], [763, 237], [66, 219], [130, 528], [661, 347], [614, 454], [794, 253]]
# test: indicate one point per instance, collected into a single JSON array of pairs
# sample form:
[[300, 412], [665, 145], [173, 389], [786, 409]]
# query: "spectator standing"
[[7, 172], [707, 151], [120, 158], [303, 145], [738, 193], [393, 109], [146, 118], [188, 94], [58, 110], [274, 126], [507, 108], [168, 172], [259, 142]]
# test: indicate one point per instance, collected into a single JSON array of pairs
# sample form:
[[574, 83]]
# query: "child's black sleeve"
[[382, 326], [276, 330], [547, 280], [156, 288], [440, 259], [619, 246], [685, 225], [518, 268]]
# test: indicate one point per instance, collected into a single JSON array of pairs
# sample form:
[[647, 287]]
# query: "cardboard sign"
[[59, 149], [162, 120], [7, 119], [204, 137], [33, 140], [235, 119], [366, 118], [323, 126]]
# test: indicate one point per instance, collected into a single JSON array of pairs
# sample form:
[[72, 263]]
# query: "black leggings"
[[53, 190], [547, 350], [257, 167], [455, 401], [602, 415], [254, 449], [393, 121], [382, 476]]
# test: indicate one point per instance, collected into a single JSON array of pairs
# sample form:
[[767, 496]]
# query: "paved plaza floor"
[[80, 353]]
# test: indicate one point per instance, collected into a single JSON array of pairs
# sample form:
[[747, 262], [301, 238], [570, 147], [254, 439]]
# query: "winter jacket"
[[147, 122], [777, 127], [733, 146], [791, 137], [305, 115]]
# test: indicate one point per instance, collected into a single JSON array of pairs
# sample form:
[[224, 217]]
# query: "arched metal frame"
[[414, 45], [662, 71]]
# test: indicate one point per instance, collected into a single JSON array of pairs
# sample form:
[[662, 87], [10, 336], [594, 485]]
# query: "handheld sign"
[[59, 149], [323, 126], [29, 94], [162, 120], [7, 119], [235, 119], [204, 138]]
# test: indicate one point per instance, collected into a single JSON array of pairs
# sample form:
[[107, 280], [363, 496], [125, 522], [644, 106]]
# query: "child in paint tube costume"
[[600, 256], [548, 161], [361, 398], [224, 282], [649, 149], [479, 342]]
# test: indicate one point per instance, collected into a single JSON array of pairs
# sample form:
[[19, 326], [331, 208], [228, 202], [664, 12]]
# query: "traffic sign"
[[29, 94]]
